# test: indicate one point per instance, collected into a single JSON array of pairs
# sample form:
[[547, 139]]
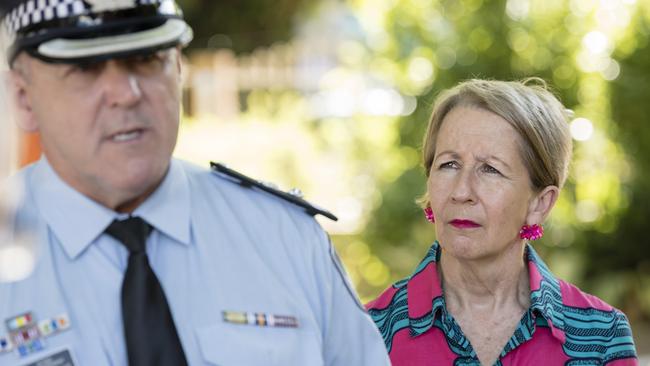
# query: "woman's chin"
[[465, 247], [459, 245]]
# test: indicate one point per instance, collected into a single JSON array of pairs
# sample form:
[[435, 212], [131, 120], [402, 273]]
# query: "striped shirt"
[[563, 326]]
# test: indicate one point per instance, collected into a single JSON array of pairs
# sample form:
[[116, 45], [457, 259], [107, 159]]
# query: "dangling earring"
[[533, 232], [428, 212]]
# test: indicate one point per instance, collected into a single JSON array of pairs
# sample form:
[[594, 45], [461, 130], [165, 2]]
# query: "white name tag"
[[59, 358]]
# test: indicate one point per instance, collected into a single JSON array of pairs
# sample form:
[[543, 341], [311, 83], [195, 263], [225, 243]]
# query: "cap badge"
[[99, 6]]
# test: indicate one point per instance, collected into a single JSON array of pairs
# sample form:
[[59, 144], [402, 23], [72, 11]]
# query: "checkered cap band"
[[33, 12]]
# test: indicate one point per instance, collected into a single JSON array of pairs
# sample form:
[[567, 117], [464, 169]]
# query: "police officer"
[[144, 259]]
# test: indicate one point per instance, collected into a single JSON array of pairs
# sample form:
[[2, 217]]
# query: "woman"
[[496, 155]]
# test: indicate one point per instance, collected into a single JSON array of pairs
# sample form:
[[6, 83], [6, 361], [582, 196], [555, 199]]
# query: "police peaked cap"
[[74, 31]]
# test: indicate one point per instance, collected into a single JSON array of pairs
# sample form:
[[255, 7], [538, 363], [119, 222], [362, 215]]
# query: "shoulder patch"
[[294, 196]]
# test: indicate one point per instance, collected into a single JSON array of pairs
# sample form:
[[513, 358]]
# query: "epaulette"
[[294, 196]]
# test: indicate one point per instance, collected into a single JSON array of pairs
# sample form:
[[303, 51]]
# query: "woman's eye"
[[490, 169], [449, 165]]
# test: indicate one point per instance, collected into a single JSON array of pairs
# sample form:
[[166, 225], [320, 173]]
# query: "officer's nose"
[[121, 85]]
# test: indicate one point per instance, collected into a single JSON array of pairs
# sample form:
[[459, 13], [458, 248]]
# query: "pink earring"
[[428, 212], [533, 232]]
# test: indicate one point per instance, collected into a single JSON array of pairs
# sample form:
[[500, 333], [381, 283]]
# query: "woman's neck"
[[488, 285]]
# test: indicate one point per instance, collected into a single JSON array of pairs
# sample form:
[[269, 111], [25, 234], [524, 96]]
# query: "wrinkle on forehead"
[[480, 133]]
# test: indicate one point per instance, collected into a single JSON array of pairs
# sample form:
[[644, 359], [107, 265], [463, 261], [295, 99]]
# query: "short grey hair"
[[530, 108]]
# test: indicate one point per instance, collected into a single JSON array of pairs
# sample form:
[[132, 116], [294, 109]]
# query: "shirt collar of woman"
[[426, 303]]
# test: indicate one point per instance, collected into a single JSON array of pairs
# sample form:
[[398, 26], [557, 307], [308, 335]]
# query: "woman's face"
[[478, 185]]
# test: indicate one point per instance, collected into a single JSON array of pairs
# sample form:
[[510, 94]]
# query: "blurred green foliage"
[[241, 25]]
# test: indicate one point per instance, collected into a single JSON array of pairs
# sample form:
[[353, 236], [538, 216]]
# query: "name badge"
[[60, 358]]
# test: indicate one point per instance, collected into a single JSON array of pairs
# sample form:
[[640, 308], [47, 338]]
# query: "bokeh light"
[[16, 262], [581, 129]]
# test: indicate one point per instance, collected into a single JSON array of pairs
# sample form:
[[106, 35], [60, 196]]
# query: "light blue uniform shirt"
[[216, 246]]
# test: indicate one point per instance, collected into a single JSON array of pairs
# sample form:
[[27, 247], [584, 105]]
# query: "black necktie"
[[151, 337]]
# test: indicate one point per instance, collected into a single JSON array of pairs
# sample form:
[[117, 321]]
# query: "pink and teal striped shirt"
[[563, 326]]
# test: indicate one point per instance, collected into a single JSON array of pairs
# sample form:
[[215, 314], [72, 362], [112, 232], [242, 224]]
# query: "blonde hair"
[[530, 108]]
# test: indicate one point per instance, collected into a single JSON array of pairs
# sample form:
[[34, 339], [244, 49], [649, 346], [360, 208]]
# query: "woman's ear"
[[17, 82], [541, 204]]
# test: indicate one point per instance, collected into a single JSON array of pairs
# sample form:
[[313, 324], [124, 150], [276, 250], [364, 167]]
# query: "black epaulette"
[[294, 196]]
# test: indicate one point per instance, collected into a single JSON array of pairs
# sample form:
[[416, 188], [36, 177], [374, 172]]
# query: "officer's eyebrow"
[[82, 65]]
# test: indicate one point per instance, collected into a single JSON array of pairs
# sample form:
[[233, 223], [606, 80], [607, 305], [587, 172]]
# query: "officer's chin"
[[136, 181]]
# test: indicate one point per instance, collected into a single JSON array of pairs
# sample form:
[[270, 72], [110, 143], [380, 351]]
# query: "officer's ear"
[[19, 81]]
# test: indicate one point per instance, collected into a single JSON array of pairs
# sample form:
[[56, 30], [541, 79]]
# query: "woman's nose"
[[463, 190]]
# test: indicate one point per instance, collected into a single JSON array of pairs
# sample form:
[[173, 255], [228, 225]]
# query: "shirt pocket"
[[225, 344]]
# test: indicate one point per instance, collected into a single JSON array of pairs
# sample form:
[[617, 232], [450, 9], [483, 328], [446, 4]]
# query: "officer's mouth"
[[127, 136]]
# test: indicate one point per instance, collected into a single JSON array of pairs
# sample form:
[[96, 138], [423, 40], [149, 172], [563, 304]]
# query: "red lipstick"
[[463, 224]]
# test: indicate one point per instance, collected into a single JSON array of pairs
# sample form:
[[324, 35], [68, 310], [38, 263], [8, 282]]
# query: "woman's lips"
[[464, 224]]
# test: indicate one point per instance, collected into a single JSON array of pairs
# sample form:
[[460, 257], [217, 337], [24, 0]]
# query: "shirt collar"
[[73, 218], [77, 221], [168, 208], [424, 293], [425, 297], [545, 294]]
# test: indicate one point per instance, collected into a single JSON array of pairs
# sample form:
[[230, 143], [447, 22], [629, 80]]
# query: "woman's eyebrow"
[[453, 154], [493, 157]]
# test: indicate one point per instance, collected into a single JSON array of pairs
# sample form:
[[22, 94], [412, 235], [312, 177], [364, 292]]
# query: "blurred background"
[[333, 97]]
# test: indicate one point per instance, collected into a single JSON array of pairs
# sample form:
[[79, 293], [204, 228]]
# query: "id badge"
[[61, 357]]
